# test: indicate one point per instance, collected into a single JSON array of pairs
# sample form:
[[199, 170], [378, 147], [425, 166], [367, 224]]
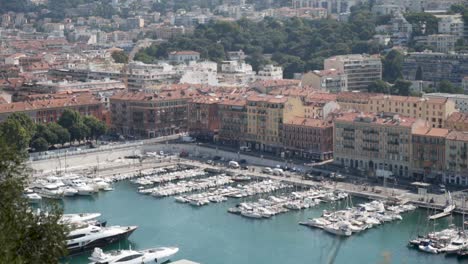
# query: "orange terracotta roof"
[[373, 118], [309, 122], [458, 117], [431, 132], [458, 136], [49, 104]]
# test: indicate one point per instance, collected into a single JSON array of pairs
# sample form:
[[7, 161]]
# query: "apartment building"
[[358, 101], [149, 115], [361, 70], [451, 24], [331, 80], [371, 142], [307, 138], [428, 155], [461, 100], [266, 115], [49, 108], [332, 6], [456, 153], [203, 117], [433, 110], [233, 121], [435, 67], [270, 72], [443, 43]]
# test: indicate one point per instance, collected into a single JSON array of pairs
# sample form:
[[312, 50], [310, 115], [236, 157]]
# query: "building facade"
[[307, 138], [203, 118], [433, 110], [266, 115], [331, 80], [233, 121], [456, 162], [361, 70], [148, 115], [47, 110], [435, 67], [428, 159], [370, 142]]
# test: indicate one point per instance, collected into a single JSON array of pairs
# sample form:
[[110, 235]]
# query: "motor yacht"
[[87, 238], [83, 217], [153, 255]]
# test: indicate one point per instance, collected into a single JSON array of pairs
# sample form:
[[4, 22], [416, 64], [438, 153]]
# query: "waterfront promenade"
[[110, 162]]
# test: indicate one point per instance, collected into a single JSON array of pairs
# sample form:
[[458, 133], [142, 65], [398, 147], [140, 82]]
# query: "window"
[[75, 236], [127, 258]]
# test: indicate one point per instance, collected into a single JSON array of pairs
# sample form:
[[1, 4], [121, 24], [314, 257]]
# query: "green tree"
[[392, 66], [40, 144], [402, 87], [26, 237], [419, 74], [79, 132], [423, 23], [44, 132], [96, 127], [69, 118], [120, 57], [379, 86], [63, 136], [447, 87], [17, 135]]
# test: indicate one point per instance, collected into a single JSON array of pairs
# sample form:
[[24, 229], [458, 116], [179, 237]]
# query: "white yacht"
[[83, 217], [87, 238], [69, 191], [153, 255], [338, 229], [51, 191], [455, 246]]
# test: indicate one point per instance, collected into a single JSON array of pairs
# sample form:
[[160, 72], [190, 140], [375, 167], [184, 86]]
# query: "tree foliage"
[[120, 57], [423, 23], [96, 127], [18, 129], [447, 87], [296, 44], [392, 66], [401, 87], [26, 237]]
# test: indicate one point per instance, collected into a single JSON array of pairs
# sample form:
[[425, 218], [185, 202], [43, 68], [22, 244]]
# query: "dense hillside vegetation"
[[298, 45]]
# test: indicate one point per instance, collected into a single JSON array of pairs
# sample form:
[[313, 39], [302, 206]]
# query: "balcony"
[[348, 138]]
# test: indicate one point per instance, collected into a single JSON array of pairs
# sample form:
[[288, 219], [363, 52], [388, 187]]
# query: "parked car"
[[267, 170], [242, 161], [216, 158], [233, 164]]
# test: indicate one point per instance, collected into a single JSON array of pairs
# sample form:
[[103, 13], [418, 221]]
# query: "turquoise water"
[[210, 235]]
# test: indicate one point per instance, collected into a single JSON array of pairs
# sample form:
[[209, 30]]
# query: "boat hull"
[[102, 242]]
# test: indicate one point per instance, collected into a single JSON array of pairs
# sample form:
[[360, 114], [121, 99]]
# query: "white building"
[[330, 80], [451, 24], [442, 42], [205, 72], [361, 69], [270, 72], [235, 73], [141, 76]]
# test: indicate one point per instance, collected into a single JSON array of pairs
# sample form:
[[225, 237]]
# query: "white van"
[[278, 172], [233, 164]]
